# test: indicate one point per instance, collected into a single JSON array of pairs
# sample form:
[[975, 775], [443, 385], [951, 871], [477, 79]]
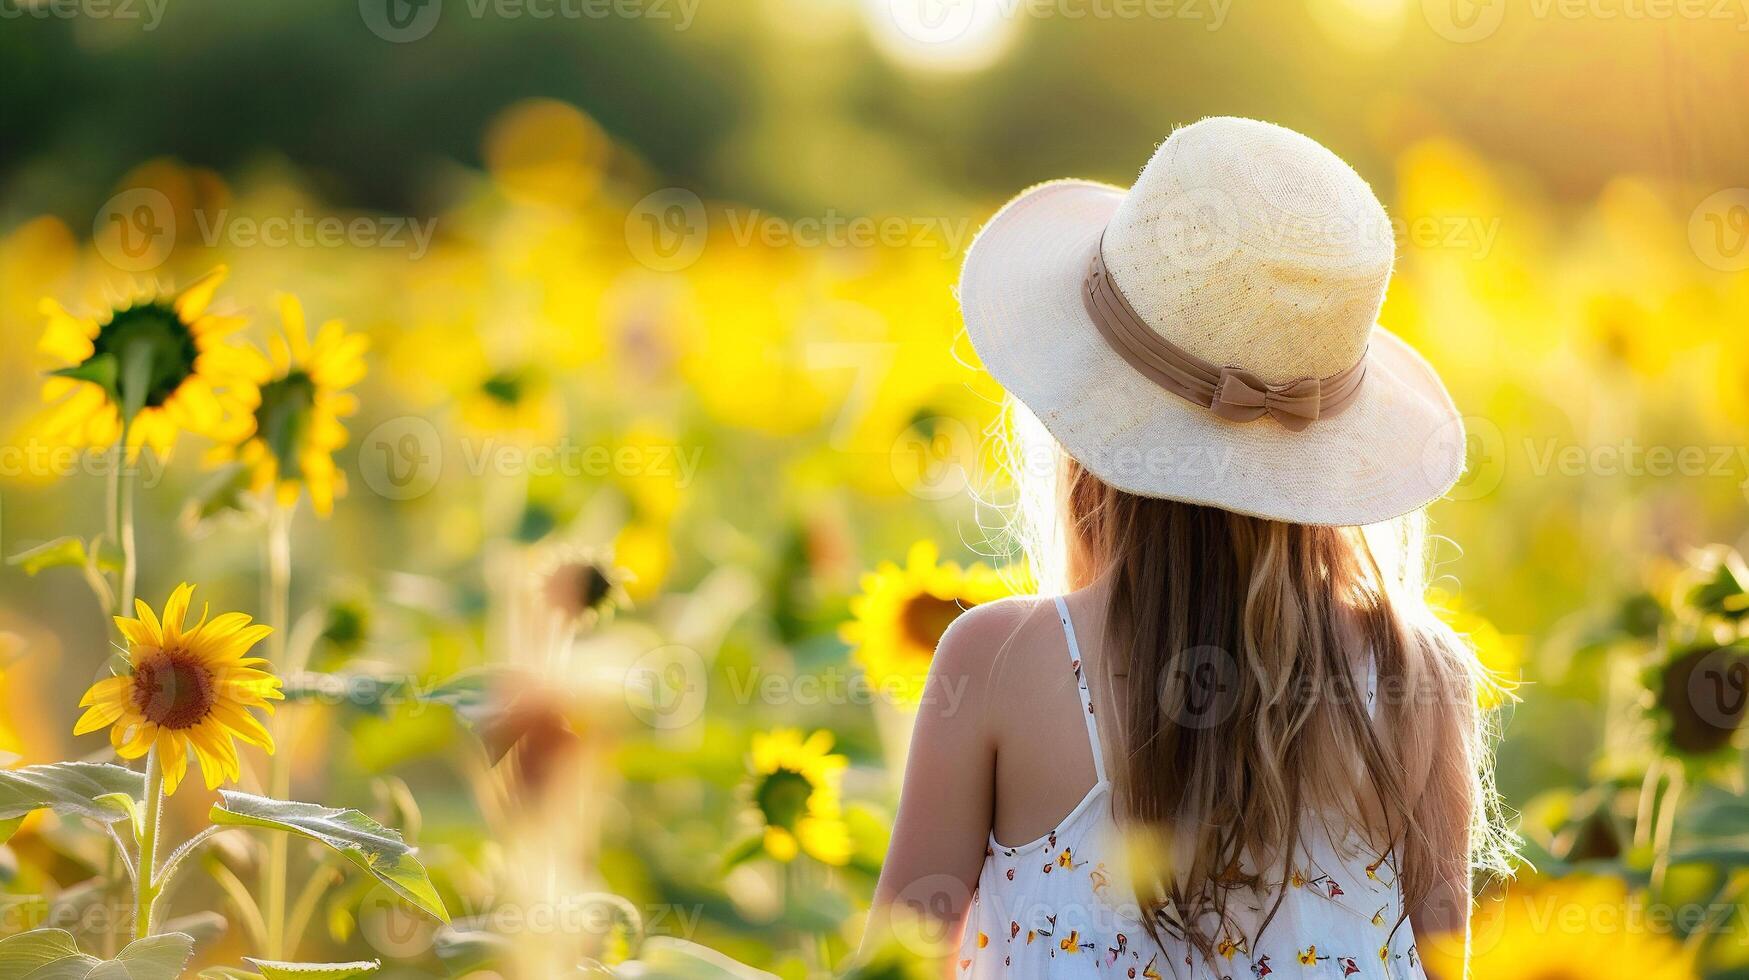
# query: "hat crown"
[[1253, 246]]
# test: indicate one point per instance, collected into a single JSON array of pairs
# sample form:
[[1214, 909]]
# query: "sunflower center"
[[145, 352], [925, 618], [783, 798], [506, 388], [574, 588], [173, 690], [283, 419]]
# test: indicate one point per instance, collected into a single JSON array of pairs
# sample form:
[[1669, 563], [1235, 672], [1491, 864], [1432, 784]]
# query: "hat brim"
[[1397, 447]]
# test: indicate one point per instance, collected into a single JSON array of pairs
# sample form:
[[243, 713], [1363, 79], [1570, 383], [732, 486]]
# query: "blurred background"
[[668, 436]]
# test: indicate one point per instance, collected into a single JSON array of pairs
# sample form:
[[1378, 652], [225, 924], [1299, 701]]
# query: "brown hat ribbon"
[[1232, 393]]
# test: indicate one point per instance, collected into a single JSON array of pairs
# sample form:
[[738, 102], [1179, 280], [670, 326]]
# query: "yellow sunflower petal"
[[107, 690], [193, 300], [780, 844], [133, 740], [243, 725], [172, 760], [98, 716], [175, 610]]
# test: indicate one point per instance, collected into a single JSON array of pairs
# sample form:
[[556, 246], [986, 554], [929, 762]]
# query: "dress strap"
[[1081, 683]]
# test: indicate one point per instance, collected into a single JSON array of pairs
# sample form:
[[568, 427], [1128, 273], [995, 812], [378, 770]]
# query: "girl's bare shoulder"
[[1002, 644]]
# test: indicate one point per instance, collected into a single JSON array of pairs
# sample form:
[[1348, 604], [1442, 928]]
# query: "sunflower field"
[[481, 484]]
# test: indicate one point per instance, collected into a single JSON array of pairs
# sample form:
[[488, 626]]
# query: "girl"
[[1239, 745]]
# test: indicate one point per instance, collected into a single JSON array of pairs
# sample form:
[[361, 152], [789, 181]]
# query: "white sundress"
[[1060, 907]]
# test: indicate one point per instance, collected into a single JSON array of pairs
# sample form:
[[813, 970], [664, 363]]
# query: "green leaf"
[[223, 495], [87, 789], [463, 951], [668, 958], [202, 926], [361, 840], [362, 691], [743, 852], [51, 954], [99, 370], [67, 551], [152, 958], [27, 952], [275, 970], [226, 973]]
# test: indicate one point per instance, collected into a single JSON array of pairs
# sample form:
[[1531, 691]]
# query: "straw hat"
[[1210, 334]]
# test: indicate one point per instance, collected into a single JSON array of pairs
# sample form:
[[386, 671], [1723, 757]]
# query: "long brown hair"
[[1243, 645]]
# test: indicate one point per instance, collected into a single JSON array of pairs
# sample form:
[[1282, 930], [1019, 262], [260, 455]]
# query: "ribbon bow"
[[1241, 397]]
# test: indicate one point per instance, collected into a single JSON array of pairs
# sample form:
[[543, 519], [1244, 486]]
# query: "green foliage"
[[275, 970], [63, 552], [373, 848], [51, 954], [94, 790]]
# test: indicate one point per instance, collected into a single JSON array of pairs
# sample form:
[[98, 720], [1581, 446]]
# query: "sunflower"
[[287, 442], [581, 589], [153, 367], [1574, 928], [795, 787], [189, 691], [902, 613], [519, 400]]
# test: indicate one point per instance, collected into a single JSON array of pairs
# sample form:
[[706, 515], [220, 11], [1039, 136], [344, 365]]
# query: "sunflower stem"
[[326, 875], [145, 886], [125, 522], [277, 584]]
